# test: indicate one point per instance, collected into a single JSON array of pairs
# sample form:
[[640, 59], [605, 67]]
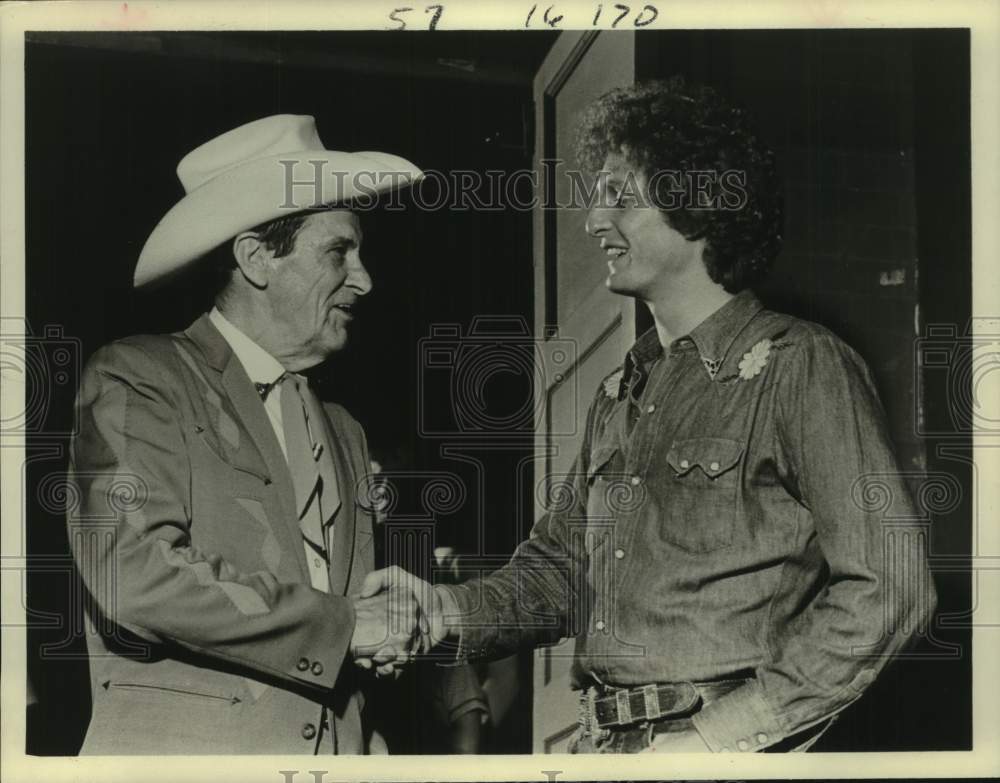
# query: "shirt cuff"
[[739, 722], [453, 611], [469, 636]]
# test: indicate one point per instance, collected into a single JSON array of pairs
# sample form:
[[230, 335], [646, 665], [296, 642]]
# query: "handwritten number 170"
[[647, 15]]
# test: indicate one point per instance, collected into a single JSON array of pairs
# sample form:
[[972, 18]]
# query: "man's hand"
[[428, 627], [689, 741], [433, 628], [385, 628]]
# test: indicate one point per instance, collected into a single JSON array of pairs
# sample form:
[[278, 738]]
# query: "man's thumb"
[[374, 583]]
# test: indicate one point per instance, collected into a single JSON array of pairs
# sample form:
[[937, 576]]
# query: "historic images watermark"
[[41, 363], [459, 365], [313, 182], [965, 363]]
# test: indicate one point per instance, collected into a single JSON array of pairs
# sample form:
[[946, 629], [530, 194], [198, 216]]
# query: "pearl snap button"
[[762, 738], [599, 625], [685, 463], [650, 409], [743, 745], [714, 466], [636, 481], [619, 554]]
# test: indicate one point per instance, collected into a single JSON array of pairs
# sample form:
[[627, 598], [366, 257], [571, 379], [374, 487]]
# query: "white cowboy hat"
[[263, 170]]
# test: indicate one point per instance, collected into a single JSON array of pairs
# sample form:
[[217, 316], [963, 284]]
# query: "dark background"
[[872, 134]]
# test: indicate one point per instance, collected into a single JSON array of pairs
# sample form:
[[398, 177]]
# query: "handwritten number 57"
[[432, 25]]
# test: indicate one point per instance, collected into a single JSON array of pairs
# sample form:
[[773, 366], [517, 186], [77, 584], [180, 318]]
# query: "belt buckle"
[[591, 723], [624, 708], [651, 698]]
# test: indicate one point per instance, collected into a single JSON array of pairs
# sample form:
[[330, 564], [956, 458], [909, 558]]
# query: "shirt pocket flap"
[[714, 456], [601, 460]]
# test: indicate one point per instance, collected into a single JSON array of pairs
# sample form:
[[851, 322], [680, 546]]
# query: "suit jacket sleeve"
[[134, 549]]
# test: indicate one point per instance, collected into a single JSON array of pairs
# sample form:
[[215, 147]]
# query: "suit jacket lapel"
[[342, 535], [240, 391]]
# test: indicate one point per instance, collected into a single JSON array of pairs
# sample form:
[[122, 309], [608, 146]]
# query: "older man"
[[218, 528], [727, 588]]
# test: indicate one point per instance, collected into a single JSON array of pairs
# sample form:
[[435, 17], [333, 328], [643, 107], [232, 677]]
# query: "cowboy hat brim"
[[260, 190]]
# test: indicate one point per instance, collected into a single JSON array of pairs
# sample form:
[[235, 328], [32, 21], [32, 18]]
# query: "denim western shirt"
[[734, 509]]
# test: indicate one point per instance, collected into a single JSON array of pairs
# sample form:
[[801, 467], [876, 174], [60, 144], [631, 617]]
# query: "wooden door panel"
[[584, 330], [581, 264]]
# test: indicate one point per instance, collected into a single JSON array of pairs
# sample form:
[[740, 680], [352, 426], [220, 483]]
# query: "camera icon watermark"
[[488, 382], [43, 364], [968, 365]]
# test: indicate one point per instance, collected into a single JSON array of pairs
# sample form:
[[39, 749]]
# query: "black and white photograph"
[[587, 379]]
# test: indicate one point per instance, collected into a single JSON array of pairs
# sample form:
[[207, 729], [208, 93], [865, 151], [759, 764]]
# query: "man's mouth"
[[346, 308], [613, 254]]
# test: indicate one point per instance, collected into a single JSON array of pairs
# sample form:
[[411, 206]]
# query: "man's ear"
[[252, 257]]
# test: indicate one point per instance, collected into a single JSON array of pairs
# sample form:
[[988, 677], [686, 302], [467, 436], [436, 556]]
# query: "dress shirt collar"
[[713, 337], [258, 363]]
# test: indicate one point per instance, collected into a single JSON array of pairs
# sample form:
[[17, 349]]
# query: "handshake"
[[397, 617]]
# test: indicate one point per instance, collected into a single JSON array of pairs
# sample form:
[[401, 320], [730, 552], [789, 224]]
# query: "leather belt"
[[622, 706]]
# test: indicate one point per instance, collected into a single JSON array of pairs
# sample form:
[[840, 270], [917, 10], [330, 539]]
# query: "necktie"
[[310, 462]]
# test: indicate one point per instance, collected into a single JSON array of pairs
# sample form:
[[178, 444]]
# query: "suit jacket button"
[[308, 731], [303, 664], [317, 668]]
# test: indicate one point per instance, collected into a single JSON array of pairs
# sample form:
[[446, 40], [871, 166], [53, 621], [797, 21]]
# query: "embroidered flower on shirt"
[[613, 384], [753, 361]]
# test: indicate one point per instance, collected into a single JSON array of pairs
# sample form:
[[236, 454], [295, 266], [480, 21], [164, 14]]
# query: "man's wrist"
[[448, 609]]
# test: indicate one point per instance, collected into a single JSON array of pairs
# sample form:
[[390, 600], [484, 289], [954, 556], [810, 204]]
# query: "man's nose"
[[598, 221], [359, 279]]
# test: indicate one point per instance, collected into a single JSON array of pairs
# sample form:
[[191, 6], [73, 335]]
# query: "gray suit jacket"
[[205, 635]]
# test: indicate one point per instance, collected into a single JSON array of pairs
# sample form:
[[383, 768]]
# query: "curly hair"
[[672, 126]]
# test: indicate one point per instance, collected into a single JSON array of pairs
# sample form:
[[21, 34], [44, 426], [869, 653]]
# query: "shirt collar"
[[713, 337], [258, 363]]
